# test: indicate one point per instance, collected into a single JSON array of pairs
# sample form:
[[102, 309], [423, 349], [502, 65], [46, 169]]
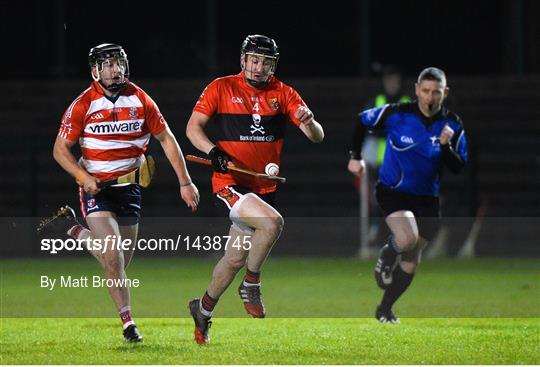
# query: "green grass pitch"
[[484, 311]]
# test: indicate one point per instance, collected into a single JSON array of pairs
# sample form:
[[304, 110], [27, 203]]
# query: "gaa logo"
[[407, 139], [91, 203]]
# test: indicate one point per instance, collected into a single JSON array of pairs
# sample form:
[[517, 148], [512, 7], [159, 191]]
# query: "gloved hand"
[[220, 159]]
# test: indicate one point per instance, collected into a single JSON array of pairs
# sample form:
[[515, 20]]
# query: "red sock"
[[125, 315], [208, 303], [252, 277]]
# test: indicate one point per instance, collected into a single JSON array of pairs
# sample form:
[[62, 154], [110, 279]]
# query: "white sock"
[[203, 311], [251, 284], [78, 232]]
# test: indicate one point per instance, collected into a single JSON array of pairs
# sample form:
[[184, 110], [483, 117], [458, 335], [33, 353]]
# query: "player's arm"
[[199, 139], [195, 132], [371, 119], [188, 190], [62, 154], [356, 164], [450, 157], [311, 128]]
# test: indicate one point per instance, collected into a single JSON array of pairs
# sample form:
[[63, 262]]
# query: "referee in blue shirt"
[[421, 138]]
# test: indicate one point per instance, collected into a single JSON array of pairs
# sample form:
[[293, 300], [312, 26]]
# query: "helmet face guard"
[[263, 50], [110, 59]]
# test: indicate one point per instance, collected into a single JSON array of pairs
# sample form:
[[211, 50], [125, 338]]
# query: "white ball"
[[271, 169]]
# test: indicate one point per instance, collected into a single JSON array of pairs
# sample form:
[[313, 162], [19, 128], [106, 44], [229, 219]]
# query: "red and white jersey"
[[113, 135], [250, 126]]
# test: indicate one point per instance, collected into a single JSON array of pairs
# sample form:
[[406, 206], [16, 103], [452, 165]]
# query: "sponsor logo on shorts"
[[228, 195]]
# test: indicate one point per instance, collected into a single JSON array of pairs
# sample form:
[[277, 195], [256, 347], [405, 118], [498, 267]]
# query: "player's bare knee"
[[278, 223], [406, 241], [236, 263], [273, 225]]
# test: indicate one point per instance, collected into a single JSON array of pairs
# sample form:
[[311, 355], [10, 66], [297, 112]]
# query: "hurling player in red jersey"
[[113, 121], [250, 110]]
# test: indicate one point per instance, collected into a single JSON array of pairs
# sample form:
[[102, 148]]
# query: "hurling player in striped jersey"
[[251, 111], [113, 121]]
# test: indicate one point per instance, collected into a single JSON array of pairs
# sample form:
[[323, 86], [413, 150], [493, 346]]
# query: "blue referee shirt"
[[413, 159]]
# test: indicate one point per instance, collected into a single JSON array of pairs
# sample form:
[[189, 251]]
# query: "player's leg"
[[411, 259], [129, 232], [395, 279], [403, 274], [127, 200], [104, 227], [428, 228], [228, 266], [262, 224], [267, 225], [404, 230], [131, 332], [396, 207], [253, 214], [224, 272], [251, 217], [404, 236]]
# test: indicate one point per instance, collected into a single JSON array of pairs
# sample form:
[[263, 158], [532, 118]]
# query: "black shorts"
[[426, 209], [124, 201], [391, 201], [229, 195]]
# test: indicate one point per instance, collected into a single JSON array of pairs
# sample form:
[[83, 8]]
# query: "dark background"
[[489, 49], [50, 39]]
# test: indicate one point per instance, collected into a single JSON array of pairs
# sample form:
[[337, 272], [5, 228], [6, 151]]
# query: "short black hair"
[[432, 73]]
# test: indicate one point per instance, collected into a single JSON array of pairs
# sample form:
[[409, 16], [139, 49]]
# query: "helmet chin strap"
[[115, 87], [256, 84]]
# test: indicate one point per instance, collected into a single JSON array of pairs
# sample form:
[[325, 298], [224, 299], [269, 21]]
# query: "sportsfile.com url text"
[[116, 243]]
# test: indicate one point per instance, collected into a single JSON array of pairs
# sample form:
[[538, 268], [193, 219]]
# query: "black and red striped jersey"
[[250, 126]]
